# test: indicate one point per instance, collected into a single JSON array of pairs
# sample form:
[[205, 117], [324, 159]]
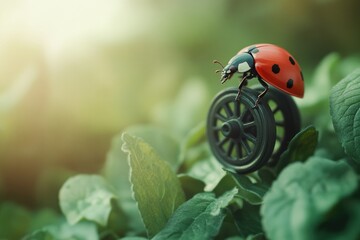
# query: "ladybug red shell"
[[270, 64]]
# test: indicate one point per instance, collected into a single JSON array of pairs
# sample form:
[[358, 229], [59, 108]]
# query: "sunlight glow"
[[62, 24]]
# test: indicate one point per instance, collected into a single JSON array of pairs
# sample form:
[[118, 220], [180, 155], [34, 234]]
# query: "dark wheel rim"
[[287, 119], [240, 137]]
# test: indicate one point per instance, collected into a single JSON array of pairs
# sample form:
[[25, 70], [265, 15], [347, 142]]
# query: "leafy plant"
[[198, 218], [86, 197], [302, 197], [345, 112], [154, 186]]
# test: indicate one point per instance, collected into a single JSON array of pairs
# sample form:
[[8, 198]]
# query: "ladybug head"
[[227, 72], [241, 63]]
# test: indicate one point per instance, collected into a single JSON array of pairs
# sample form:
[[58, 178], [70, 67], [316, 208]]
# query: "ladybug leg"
[[261, 95], [246, 82], [242, 83]]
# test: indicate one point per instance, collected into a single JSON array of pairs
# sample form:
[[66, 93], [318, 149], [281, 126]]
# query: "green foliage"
[[198, 218], [251, 191], [301, 147], [14, 220], [344, 109], [164, 145], [248, 220], [86, 197], [156, 187], [196, 159], [304, 195], [117, 172], [64, 231], [190, 185]]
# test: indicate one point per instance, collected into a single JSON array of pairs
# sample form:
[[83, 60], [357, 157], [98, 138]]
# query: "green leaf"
[[42, 234], [266, 176], [209, 171], [250, 189], [190, 185], [117, 173], [156, 188], [116, 169], [225, 184], [199, 218], [247, 220], [300, 148], [62, 230], [303, 195], [228, 227], [86, 197], [344, 110], [164, 145]]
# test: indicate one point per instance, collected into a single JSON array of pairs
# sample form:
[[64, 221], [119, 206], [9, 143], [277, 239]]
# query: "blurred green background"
[[74, 73]]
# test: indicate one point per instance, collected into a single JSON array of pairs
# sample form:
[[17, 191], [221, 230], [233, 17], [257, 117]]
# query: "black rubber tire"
[[241, 137]]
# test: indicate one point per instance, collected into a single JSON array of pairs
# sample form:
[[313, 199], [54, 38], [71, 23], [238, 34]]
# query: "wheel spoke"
[[238, 150], [216, 128], [243, 114], [249, 124], [237, 108], [246, 146], [220, 117], [250, 137], [222, 142], [230, 149], [228, 110]]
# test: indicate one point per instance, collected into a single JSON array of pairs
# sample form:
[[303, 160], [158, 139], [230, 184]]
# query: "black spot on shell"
[[290, 83], [291, 60], [275, 69], [302, 77]]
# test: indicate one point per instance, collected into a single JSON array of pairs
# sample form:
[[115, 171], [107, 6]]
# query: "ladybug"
[[270, 64]]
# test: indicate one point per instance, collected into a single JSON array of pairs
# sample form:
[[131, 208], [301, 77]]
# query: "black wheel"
[[287, 119], [240, 137]]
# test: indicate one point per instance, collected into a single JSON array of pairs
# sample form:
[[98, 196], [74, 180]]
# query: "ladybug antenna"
[[216, 61], [219, 70]]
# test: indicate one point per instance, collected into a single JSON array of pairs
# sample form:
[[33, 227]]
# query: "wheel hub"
[[231, 128]]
